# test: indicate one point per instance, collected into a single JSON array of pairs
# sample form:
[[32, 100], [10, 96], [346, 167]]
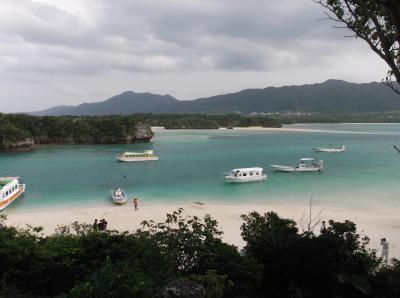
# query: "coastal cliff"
[[24, 131], [19, 132], [6, 144], [139, 134]]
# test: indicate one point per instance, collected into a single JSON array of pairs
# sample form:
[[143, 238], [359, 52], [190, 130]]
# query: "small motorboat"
[[331, 149], [305, 165], [246, 175], [119, 196]]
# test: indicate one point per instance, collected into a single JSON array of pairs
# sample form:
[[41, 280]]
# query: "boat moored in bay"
[[11, 189], [305, 165], [246, 175], [331, 149], [146, 155]]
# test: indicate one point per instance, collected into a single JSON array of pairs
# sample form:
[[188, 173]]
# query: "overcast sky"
[[56, 52]]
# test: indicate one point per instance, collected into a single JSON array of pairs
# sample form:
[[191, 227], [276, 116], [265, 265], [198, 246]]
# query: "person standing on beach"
[[136, 204], [323, 227], [100, 225], [385, 249], [95, 225]]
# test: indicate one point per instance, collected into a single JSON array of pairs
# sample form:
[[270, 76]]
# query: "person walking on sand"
[[385, 249], [136, 204]]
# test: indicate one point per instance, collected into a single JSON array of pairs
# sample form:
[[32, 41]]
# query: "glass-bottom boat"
[[246, 175], [10, 190], [137, 156]]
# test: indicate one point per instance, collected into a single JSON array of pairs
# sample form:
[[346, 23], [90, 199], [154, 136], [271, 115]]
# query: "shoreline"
[[372, 222], [284, 128]]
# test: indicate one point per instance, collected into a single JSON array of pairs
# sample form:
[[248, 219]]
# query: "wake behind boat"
[[331, 149], [119, 196], [305, 165], [246, 175], [146, 155]]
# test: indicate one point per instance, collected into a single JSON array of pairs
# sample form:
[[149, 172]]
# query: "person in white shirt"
[[385, 249]]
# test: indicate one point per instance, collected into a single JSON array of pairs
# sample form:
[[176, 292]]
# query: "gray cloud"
[[55, 51]]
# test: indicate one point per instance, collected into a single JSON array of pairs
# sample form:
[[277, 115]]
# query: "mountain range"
[[332, 96]]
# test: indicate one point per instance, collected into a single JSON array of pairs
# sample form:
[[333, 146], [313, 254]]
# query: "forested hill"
[[332, 96], [19, 131], [125, 103]]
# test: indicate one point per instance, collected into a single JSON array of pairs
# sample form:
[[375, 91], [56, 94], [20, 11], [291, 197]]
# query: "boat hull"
[[19, 193], [308, 170], [328, 150], [279, 168], [127, 159], [331, 149], [233, 179], [119, 201]]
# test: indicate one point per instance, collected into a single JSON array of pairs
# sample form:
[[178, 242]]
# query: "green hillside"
[[332, 96]]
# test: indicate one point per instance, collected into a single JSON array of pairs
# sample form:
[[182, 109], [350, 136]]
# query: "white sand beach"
[[296, 128], [291, 128], [374, 223]]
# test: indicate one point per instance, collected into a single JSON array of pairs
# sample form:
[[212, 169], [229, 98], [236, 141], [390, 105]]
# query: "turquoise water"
[[192, 163]]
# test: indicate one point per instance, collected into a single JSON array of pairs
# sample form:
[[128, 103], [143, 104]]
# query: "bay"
[[192, 164]]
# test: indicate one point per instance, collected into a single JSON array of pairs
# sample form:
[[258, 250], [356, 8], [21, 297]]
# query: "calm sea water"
[[192, 163]]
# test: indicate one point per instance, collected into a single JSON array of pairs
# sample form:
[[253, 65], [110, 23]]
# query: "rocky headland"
[[22, 132]]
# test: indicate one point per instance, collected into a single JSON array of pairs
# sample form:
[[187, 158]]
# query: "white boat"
[[246, 175], [119, 196], [146, 155], [10, 190], [331, 149], [305, 165]]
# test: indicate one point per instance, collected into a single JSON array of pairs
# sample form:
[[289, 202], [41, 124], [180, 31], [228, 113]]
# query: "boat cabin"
[[146, 153], [247, 172], [10, 190], [309, 163], [8, 186], [118, 192]]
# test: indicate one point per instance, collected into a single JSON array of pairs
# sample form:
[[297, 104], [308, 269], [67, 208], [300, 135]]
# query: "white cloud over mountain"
[[66, 51]]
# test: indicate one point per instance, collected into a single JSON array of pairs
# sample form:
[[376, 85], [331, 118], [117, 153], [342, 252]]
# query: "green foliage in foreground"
[[187, 254]]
